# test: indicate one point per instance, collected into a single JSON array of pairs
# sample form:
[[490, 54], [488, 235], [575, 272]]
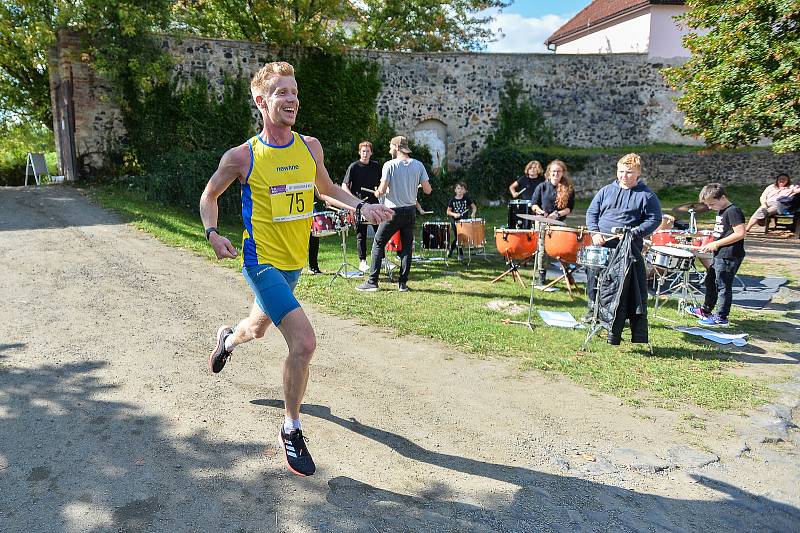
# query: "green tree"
[[519, 121], [423, 25], [742, 81], [116, 39], [418, 25]]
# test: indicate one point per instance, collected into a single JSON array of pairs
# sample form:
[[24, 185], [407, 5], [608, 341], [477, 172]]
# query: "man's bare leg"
[[252, 327], [301, 341]]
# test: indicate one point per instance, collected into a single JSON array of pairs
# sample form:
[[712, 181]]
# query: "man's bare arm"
[[232, 166]]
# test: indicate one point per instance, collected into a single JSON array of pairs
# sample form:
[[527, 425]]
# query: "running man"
[[278, 170]]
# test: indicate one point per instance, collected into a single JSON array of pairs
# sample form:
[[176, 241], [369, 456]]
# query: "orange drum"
[[519, 244], [394, 244], [471, 233], [667, 236], [563, 243]]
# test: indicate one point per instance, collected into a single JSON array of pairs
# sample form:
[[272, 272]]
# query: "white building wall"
[[666, 32], [618, 37]]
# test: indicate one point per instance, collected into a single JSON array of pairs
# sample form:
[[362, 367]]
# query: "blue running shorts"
[[273, 288]]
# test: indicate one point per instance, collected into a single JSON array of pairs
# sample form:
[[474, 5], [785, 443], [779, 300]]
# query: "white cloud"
[[523, 35]]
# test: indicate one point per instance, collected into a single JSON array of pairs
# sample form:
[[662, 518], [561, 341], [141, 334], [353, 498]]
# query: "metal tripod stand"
[[343, 271]]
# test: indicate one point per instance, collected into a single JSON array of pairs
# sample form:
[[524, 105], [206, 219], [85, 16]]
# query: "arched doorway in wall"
[[433, 134]]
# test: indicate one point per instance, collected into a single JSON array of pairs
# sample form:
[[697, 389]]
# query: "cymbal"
[[540, 218], [697, 207]]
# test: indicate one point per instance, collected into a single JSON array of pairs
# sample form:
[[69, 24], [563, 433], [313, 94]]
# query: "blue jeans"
[[719, 284]]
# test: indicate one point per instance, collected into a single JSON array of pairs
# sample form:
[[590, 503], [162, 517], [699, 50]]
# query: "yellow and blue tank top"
[[278, 203]]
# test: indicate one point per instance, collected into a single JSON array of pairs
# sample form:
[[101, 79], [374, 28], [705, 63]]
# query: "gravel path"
[[111, 421]]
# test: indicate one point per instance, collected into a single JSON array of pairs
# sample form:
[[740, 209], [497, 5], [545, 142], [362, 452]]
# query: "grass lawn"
[[449, 303]]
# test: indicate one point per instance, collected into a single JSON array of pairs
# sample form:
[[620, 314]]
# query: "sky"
[[527, 23]]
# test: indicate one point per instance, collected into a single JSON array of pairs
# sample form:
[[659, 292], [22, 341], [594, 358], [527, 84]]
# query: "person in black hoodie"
[[625, 204]]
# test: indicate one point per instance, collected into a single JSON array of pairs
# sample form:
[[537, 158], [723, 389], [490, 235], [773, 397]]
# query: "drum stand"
[[594, 322], [343, 271], [684, 289], [528, 322], [566, 276], [512, 269]]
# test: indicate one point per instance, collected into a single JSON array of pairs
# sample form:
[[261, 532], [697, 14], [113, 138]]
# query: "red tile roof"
[[600, 11]]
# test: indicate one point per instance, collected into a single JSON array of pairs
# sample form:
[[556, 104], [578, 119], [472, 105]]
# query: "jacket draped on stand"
[[623, 292]]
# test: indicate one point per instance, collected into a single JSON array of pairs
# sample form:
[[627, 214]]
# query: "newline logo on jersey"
[[288, 167]]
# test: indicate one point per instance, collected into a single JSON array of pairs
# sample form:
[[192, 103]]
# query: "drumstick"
[[373, 192], [522, 191]]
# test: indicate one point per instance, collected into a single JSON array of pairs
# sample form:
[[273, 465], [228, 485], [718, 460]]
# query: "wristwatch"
[[209, 231], [358, 212]]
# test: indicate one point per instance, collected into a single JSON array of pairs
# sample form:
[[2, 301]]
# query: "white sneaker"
[[363, 266]]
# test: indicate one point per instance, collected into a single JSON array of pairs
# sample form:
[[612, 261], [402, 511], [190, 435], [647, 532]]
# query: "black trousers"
[[361, 239], [404, 220], [313, 252], [719, 284]]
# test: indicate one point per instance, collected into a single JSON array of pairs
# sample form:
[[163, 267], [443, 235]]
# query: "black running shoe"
[[219, 355], [297, 457]]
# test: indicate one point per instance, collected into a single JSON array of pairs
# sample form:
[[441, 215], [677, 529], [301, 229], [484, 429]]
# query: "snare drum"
[[519, 244], [516, 207], [594, 256], [470, 232], [563, 243], [435, 235], [670, 258], [322, 224]]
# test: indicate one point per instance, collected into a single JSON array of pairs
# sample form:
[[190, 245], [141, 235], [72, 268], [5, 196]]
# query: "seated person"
[[524, 186], [774, 200], [457, 209], [555, 198]]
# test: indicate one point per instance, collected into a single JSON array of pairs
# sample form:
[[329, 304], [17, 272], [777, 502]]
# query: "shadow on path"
[[543, 501]]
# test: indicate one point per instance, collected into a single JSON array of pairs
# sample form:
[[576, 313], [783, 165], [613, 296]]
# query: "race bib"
[[292, 201]]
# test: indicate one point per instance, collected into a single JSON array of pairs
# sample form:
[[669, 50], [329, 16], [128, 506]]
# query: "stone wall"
[[590, 100], [693, 170], [450, 100]]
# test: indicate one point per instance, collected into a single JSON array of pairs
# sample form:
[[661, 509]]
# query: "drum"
[[519, 244], [563, 243], [594, 256], [345, 220], [668, 236], [670, 258], [702, 238], [435, 236], [322, 224], [394, 244], [470, 232], [516, 207]]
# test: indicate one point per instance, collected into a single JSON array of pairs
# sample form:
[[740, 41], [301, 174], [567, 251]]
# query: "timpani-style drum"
[[435, 235], [470, 232], [519, 244], [322, 224], [670, 258], [594, 256], [563, 243], [516, 207], [668, 236]]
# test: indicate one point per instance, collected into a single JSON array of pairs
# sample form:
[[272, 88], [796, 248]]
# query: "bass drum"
[[435, 235], [563, 243], [518, 244]]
